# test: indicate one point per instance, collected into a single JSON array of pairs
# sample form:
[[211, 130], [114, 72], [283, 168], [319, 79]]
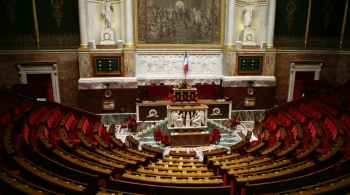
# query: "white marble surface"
[[171, 65]]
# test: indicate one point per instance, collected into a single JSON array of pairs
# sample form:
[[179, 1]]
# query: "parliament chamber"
[[224, 97]]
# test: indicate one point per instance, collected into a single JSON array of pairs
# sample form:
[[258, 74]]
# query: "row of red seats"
[[324, 107], [331, 100], [271, 124], [317, 114], [54, 119], [69, 124], [85, 126], [311, 130], [5, 118], [345, 121], [35, 117], [8, 103], [21, 107], [330, 128], [285, 120], [341, 95], [297, 115]]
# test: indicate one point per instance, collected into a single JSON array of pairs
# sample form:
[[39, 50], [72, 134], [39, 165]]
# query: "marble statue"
[[198, 119], [177, 119], [107, 13], [248, 14]]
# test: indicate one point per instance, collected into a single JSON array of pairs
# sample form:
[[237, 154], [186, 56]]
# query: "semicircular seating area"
[[50, 148]]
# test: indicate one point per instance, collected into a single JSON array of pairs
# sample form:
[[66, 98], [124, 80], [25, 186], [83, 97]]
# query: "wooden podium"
[[187, 94]]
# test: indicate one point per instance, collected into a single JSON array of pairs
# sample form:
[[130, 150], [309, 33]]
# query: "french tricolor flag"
[[185, 62]]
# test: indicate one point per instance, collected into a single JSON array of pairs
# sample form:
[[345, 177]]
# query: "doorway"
[[302, 70], [44, 73]]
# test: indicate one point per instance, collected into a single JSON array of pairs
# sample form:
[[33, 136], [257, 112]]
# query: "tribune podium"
[[187, 94]]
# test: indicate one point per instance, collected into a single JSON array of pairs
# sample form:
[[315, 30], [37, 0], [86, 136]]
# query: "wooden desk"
[[64, 138], [308, 150], [180, 159], [182, 173], [223, 157], [255, 148], [239, 146], [101, 142], [261, 167], [87, 143], [216, 152], [132, 141], [8, 145], [116, 142], [131, 156], [183, 153], [158, 151], [285, 151], [43, 139], [271, 148], [114, 156], [17, 185], [332, 151], [269, 175], [168, 180], [183, 167], [93, 168], [52, 181], [190, 139], [90, 156], [148, 155]]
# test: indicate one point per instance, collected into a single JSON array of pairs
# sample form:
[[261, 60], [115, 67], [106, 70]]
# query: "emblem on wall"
[[57, 13], [216, 112], [152, 113]]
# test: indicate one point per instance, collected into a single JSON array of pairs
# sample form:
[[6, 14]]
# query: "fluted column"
[[83, 24], [129, 24], [230, 24], [271, 23]]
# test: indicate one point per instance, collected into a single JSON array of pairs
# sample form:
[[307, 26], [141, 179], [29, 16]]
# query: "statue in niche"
[[177, 119], [107, 13], [248, 15], [198, 118]]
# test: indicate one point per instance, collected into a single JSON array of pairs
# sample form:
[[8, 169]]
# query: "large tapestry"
[[179, 22]]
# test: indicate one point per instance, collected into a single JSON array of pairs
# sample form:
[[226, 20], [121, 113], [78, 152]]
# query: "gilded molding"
[[18, 41], [36, 27], [57, 13], [291, 7], [307, 25], [323, 42], [344, 24], [10, 11], [327, 10], [60, 41], [288, 42]]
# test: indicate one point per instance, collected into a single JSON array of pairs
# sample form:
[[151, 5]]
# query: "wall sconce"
[[106, 85], [250, 83], [250, 90]]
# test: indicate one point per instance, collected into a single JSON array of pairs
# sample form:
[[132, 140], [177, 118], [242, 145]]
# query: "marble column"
[[271, 23], [122, 13], [230, 24], [129, 24], [83, 24]]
